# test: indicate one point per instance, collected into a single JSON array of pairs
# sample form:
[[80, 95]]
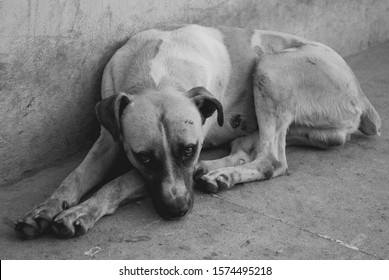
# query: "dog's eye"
[[144, 158], [189, 150]]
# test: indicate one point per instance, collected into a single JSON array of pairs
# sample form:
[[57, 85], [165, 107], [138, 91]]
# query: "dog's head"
[[162, 135]]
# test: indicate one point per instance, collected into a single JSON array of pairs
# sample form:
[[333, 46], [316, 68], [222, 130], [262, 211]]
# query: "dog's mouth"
[[172, 208]]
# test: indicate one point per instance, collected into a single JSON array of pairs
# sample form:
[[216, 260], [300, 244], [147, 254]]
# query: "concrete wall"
[[52, 54]]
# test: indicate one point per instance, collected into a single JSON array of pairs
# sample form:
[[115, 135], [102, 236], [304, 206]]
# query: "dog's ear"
[[109, 111], [207, 104]]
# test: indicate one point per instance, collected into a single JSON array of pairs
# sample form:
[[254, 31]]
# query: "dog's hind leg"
[[311, 88], [88, 174], [81, 218], [321, 138]]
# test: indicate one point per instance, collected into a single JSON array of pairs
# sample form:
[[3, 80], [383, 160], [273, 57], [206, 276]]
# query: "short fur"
[[160, 94]]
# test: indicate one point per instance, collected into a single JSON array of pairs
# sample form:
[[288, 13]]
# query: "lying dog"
[[160, 92]]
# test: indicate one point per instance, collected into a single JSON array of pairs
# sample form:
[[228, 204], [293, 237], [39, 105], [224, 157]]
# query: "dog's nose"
[[174, 209], [182, 207], [179, 208]]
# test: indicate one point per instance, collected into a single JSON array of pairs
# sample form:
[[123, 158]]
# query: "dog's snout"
[[171, 208], [182, 206], [177, 208]]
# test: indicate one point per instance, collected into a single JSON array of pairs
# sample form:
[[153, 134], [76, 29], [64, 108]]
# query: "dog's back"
[[223, 60]]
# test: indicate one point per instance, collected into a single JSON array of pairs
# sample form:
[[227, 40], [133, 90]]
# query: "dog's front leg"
[[242, 152], [269, 162], [87, 175], [79, 219]]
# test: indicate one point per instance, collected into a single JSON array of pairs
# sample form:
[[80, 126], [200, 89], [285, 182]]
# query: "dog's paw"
[[201, 169], [75, 221], [39, 218], [214, 182], [198, 173]]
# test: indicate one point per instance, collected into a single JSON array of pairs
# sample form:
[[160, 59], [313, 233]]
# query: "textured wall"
[[52, 54]]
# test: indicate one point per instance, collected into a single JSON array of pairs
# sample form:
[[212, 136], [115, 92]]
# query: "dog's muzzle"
[[173, 207]]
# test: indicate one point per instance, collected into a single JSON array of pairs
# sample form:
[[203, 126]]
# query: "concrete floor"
[[334, 205]]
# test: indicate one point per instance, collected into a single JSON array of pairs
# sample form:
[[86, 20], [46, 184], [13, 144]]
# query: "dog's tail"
[[370, 120]]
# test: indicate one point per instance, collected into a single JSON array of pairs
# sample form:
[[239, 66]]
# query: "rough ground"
[[334, 205]]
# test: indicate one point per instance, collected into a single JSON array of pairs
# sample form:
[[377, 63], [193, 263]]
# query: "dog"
[[169, 93]]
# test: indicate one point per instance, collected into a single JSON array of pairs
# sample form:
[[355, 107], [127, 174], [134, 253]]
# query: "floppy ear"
[[109, 111], [207, 104]]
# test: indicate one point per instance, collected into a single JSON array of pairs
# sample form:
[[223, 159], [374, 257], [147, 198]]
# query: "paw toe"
[[43, 222], [222, 182], [38, 220], [27, 230], [199, 173], [208, 186], [31, 226], [63, 230], [80, 228]]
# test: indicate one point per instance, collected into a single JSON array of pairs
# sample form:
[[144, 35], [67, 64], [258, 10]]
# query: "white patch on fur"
[[273, 41], [157, 71], [256, 39], [198, 47], [209, 44]]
